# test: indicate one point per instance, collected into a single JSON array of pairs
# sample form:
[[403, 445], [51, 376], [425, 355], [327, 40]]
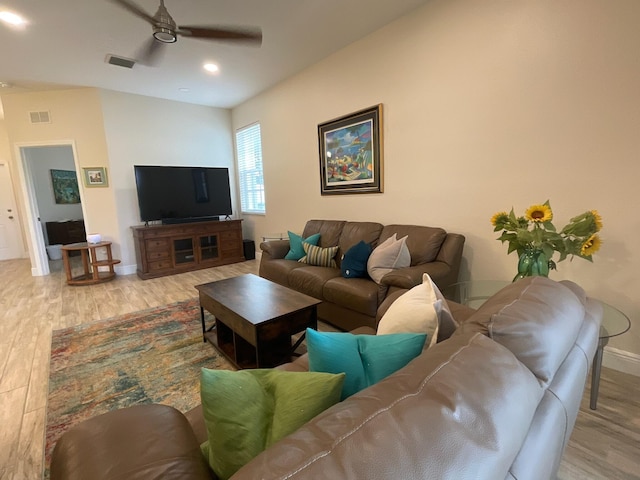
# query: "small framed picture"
[[95, 177]]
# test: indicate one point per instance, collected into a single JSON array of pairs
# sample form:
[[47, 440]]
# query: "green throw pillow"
[[248, 410], [296, 252], [366, 359]]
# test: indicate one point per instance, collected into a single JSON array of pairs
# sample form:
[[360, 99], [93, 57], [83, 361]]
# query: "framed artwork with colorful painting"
[[65, 186], [351, 153]]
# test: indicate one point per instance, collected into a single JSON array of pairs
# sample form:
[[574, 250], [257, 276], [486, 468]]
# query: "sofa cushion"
[[357, 294], [419, 310], [460, 410], [389, 255], [318, 256], [278, 270], [366, 359], [423, 242], [354, 262], [310, 280], [537, 318], [248, 410], [296, 251], [329, 230], [354, 232]]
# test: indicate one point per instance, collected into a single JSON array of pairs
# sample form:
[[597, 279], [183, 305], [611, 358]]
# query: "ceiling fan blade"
[[133, 8], [150, 53], [247, 34]]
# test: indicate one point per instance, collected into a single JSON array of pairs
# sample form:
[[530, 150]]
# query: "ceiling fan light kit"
[[164, 29]]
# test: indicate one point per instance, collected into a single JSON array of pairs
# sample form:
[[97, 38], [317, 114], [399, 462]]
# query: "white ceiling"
[[66, 42]]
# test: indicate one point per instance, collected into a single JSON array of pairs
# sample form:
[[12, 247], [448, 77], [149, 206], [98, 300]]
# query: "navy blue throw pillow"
[[354, 262]]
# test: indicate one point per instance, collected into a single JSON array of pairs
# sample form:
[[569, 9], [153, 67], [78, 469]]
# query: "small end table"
[[474, 293], [90, 263]]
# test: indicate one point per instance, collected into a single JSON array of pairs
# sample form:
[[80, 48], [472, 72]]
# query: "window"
[[249, 154]]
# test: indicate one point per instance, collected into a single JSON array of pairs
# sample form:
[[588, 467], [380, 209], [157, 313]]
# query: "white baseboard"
[[125, 269], [621, 360]]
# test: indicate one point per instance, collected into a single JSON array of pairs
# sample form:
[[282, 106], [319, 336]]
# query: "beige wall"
[[117, 130], [76, 116], [487, 105], [150, 131]]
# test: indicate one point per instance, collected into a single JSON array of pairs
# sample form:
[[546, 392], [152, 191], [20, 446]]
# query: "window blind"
[[249, 155]]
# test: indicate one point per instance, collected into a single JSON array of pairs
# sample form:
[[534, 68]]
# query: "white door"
[[10, 239]]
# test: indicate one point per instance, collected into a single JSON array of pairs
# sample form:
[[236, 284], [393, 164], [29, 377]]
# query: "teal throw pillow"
[[354, 262], [248, 410], [296, 252], [365, 359]]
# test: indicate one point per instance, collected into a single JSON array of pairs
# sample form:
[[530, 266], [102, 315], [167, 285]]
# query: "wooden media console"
[[169, 249]]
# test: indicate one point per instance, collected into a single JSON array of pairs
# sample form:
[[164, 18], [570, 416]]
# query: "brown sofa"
[[497, 400], [349, 303]]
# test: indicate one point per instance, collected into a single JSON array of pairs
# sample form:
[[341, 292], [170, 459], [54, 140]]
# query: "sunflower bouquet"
[[536, 239]]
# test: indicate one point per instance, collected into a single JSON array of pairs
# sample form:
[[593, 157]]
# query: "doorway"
[[40, 165]]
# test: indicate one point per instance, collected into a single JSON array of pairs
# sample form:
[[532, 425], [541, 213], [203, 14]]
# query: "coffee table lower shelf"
[[243, 354]]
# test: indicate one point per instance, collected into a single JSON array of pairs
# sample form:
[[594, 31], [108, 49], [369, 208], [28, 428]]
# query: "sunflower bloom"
[[499, 218], [539, 213], [597, 219], [591, 246]]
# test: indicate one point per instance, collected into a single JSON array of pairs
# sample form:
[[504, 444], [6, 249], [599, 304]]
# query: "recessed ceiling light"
[[211, 67], [12, 18], [185, 90]]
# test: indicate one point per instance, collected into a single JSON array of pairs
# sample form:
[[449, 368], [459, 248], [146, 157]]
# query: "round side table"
[[614, 323], [90, 263]]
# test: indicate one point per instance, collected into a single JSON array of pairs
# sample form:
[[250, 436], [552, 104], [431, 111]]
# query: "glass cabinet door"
[[209, 247], [184, 252]]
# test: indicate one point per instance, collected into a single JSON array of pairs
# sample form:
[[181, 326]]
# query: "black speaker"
[[249, 247]]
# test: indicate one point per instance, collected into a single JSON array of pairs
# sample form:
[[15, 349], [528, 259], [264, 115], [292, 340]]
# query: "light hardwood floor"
[[605, 443]]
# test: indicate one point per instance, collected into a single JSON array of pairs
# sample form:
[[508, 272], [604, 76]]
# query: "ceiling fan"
[[165, 31]]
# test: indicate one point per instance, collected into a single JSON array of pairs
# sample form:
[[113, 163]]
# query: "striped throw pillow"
[[318, 256]]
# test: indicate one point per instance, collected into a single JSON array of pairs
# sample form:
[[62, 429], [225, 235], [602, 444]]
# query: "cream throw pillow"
[[389, 255], [420, 310]]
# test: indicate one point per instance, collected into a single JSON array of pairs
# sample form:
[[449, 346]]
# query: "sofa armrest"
[[275, 249], [409, 277], [136, 443]]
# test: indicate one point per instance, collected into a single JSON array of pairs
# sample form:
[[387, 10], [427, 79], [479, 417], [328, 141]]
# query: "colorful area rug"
[[151, 356]]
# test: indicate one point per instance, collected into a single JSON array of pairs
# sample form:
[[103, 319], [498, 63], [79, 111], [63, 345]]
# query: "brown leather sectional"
[[496, 400], [349, 303]]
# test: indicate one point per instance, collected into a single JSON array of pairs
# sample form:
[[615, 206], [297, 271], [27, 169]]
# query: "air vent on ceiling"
[[120, 61], [40, 117]]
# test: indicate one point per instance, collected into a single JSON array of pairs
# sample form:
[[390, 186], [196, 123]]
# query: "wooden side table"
[[90, 263]]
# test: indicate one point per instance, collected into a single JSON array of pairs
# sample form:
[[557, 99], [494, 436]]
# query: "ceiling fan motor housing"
[[164, 29]]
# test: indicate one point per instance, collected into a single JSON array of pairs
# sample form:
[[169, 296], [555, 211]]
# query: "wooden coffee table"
[[255, 319]]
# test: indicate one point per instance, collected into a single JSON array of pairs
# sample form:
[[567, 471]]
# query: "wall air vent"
[[120, 61], [40, 117]]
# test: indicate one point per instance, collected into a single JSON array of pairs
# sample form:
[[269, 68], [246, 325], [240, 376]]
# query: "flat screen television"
[[182, 194]]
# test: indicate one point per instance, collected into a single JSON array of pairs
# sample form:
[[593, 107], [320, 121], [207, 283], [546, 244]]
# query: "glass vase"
[[532, 262]]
